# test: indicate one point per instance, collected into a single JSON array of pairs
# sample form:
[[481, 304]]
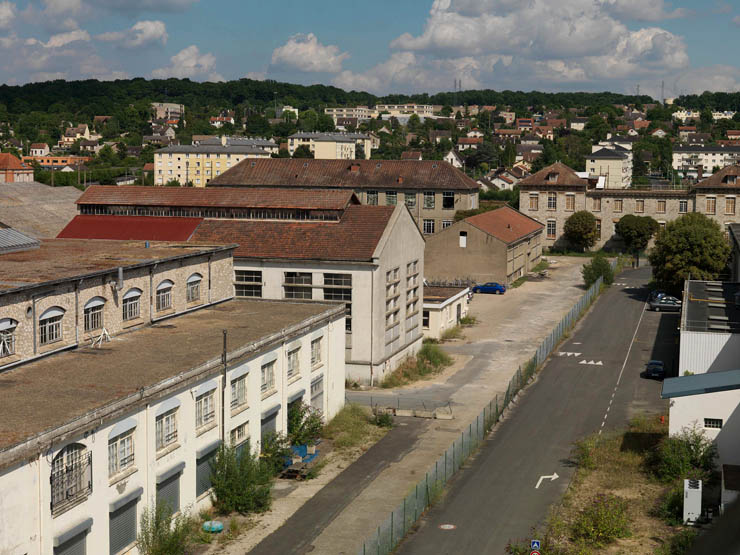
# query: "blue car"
[[490, 287]]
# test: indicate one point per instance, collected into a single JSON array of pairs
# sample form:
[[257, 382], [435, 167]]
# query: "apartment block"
[[332, 146]]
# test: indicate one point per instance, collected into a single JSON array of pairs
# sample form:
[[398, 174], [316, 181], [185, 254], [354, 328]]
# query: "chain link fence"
[[428, 490]]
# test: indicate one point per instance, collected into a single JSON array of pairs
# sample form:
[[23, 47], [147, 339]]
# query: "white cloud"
[[63, 39], [190, 63], [142, 33], [305, 53], [642, 10], [256, 75], [7, 14], [736, 20]]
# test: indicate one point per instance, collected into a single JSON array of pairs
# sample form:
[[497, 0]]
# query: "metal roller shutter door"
[[317, 394], [73, 546], [168, 492], [269, 424], [203, 473], [122, 528]]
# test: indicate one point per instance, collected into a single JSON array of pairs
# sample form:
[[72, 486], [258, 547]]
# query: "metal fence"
[[426, 492]]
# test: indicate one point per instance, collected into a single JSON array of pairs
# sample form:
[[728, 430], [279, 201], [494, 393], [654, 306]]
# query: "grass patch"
[[615, 502], [468, 320], [454, 332], [430, 360], [351, 428], [316, 468], [518, 282], [542, 265]]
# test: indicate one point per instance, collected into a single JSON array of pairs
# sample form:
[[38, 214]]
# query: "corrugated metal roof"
[[699, 384], [126, 228], [13, 241]]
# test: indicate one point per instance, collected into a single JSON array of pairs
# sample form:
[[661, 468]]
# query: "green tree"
[[599, 267], [241, 481], [580, 229], [303, 151], [692, 245], [636, 232]]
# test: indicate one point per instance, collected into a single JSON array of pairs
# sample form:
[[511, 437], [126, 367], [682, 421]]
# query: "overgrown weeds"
[[241, 481], [430, 360], [351, 428], [455, 332]]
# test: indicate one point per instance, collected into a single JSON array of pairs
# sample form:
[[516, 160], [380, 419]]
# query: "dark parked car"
[[655, 369], [490, 287], [666, 304], [655, 295]]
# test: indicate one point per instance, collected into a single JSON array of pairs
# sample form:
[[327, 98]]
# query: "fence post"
[[429, 499], [378, 542], [416, 502], [392, 545], [445, 465], [404, 517]]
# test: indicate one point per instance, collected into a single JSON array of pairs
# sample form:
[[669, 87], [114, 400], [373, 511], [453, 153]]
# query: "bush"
[[275, 449], [304, 424], [598, 267], [468, 321], [602, 522], [670, 508], [454, 332], [688, 454], [434, 356], [241, 482], [679, 544], [580, 229], [350, 427], [383, 419], [161, 533]]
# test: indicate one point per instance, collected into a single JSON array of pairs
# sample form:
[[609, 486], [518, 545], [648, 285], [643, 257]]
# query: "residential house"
[[509, 135], [219, 121], [688, 160], [421, 110], [499, 245], [615, 166], [331, 146], [101, 120], [544, 132], [699, 138], [578, 123], [73, 134], [13, 170], [509, 117], [556, 123], [345, 124], [524, 124], [530, 139], [685, 130], [91, 147], [476, 133], [411, 155], [436, 136], [39, 149], [268, 145], [686, 115], [444, 307], [453, 158], [733, 134], [659, 133], [167, 111], [360, 113], [468, 143], [56, 162]]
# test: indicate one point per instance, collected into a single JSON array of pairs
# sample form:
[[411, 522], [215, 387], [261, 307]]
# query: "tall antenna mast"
[[662, 92]]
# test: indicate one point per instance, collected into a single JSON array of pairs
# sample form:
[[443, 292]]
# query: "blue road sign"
[[535, 544]]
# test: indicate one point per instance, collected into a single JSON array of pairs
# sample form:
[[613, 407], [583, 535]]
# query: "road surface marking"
[[592, 362], [577, 343], [554, 476], [568, 354], [447, 526]]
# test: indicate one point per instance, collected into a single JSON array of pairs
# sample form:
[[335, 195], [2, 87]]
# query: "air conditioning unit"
[[691, 500]]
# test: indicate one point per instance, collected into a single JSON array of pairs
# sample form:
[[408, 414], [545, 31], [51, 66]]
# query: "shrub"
[[679, 544], [686, 454], [580, 229], [468, 320], [434, 356], [275, 449], [304, 424], [598, 267], [383, 419], [241, 482], [603, 521], [670, 508], [350, 427], [454, 332], [161, 533]]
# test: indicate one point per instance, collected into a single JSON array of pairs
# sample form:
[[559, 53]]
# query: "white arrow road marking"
[[554, 476], [592, 362], [568, 354]]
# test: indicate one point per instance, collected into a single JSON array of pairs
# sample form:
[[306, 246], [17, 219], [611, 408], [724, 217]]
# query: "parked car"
[[665, 303], [655, 369], [490, 287], [656, 294]]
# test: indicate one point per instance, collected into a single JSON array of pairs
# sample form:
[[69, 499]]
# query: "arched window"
[[164, 295], [132, 304], [7, 336], [71, 477], [93, 312], [50, 325], [193, 291]]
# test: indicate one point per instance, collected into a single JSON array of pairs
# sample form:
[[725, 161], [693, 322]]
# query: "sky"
[[384, 46]]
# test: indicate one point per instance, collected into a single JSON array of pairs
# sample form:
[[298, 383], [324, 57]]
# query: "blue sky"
[[382, 46]]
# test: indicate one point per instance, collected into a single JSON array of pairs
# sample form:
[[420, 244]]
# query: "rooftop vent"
[[720, 327]]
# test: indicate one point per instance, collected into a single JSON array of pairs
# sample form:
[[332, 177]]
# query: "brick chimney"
[[354, 168]]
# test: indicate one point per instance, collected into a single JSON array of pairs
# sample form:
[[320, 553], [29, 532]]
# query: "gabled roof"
[[555, 174], [727, 177], [700, 384], [341, 174], [305, 199], [411, 155], [606, 153], [505, 223], [354, 238], [130, 228], [10, 162]]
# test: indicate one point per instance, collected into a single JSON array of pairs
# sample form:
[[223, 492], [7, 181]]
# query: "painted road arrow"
[[592, 362], [552, 478], [568, 354]]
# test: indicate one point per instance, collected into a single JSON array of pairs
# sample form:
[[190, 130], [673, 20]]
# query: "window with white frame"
[[268, 377], [534, 201], [50, 325], [121, 453], [248, 283], [239, 392], [446, 223], [552, 201], [164, 295], [425, 319], [205, 409], [239, 435], [93, 314], [683, 206], [294, 363], [410, 199], [192, 292], [372, 198], [714, 423], [131, 304], [391, 198], [316, 351], [711, 205], [166, 429], [7, 336], [338, 287], [429, 200], [428, 227], [71, 477], [298, 285], [551, 229]]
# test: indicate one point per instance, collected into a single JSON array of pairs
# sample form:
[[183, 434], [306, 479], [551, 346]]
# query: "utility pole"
[[662, 92]]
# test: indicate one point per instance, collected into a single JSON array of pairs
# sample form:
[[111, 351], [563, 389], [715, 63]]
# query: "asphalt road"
[[495, 499]]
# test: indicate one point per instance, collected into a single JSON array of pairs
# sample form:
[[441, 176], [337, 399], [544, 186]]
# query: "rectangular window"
[[711, 205], [425, 319], [551, 229], [428, 200], [50, 330], [596, 204], [131, 308], [338, 287], [238, 392], [534, 202], [428, 227], [446, 224], [193, 292], [661, 207], [294, 366], [730, 205], [598, 229], [238, 435], [248, 283], [268, 377], [94, 318], [463, 239], [683, 206], [617, 204], [715, 423], [391, 198], [570, 202], [316, 352], [372, 198], [120, 453], [448, 200], [205, 409], [640, 205], [164, 298], [166, 429], [410, 199], [552, 201], [298, 285]]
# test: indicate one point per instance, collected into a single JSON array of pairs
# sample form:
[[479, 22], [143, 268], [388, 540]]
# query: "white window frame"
[[238, 392], [7, 337], [192, 293], [713, 423], [294, 363], [121, 453], [205, 409], [50, 327], [165, 426], [428, 226], [239, 434], [163, 296], [316, 351], [93, 314], [267, 375], [131, 304]]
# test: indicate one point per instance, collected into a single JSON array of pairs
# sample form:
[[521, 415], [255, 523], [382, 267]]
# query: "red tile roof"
[[349, 174], [554, 174], [505, 223], [125, 228], [10, 162], [306, 199], [411, 155], [470, 140], [354, 238]]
